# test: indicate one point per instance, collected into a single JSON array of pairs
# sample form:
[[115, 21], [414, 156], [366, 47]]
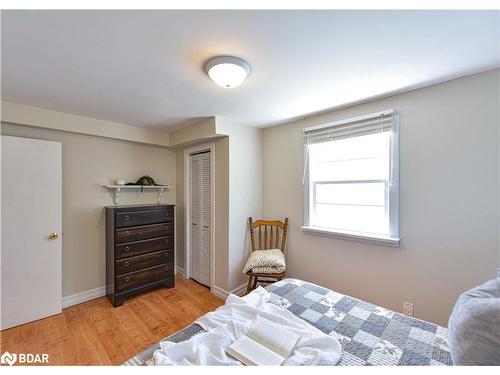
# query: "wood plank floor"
[[96, 333]]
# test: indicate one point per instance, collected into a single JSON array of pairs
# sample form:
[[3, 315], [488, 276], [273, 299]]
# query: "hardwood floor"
[[96, 333]]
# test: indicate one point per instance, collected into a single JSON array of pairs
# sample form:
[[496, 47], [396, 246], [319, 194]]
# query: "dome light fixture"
[[227, 71]]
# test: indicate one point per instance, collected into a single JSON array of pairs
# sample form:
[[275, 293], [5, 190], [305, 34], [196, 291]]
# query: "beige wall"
[[180, 219], [194, 133], [450, 176], [449, 201], [88, 163], [45, 118], [222, 186]]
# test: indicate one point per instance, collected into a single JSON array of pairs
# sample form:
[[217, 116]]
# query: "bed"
[[370, 335]]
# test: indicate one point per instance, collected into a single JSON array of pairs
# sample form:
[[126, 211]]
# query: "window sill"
[[379, 240]]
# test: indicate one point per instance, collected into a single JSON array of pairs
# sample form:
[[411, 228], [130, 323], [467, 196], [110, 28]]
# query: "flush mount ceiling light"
[[227, 71]]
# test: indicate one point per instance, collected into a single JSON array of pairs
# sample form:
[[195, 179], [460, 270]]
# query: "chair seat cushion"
[[266, 261]]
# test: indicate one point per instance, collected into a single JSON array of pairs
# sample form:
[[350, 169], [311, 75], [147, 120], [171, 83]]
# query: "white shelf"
[[118, 188]]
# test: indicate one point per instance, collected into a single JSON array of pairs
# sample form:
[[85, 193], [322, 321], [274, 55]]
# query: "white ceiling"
[[145, 67]]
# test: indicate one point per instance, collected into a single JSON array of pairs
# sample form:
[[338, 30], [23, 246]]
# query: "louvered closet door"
[[195, 216], [206, 217], [201, 215]]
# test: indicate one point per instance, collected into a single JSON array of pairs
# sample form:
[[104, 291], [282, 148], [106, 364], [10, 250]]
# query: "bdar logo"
[[8, 358], [23, 358]]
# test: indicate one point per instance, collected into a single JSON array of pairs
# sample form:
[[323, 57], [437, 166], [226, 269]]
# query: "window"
[[351, 178]]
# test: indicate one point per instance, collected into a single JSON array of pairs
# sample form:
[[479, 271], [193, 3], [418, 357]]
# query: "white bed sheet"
[[230, 321]]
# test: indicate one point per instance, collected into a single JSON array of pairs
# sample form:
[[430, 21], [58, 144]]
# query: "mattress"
[[370, 335]]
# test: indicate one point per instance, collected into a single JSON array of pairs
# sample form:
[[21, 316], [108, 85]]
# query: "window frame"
[[393, 194]]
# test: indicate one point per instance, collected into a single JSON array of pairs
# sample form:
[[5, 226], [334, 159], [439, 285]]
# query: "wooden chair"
[[271, 234]]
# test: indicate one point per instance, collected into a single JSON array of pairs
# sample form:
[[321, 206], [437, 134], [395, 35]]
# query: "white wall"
[[238, 195], [221, 208], [245, 195], [88, 163], [449, 211]]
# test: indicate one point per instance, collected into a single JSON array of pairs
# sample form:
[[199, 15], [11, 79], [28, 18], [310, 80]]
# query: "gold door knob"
[[53, 236]]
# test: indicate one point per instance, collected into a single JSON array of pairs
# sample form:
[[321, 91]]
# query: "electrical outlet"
[[408, 308]]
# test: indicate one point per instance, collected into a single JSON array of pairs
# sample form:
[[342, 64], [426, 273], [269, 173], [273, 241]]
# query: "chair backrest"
[[268, 234]]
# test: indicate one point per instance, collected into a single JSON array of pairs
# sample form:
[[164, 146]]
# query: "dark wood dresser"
[[139, 249]]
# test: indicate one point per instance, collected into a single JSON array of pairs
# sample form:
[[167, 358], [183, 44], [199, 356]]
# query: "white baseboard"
[[84, 296], [91, 294], [222, 293], [179, 271]]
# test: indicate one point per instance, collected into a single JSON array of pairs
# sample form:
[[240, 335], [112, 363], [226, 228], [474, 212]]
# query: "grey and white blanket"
[[369, 334]]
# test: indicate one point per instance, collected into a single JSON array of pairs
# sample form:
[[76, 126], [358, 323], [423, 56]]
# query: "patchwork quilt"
[[370, 335]]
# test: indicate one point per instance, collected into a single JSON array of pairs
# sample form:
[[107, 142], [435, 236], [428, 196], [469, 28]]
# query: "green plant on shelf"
[[143, 181]]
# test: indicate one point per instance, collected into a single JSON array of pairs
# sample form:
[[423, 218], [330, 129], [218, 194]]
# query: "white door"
[[31, 265], [201, 216]]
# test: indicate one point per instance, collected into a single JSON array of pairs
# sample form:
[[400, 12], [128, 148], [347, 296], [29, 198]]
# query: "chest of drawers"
[[139, 250]]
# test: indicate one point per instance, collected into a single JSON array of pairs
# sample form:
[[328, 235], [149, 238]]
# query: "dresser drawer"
[[129, 219], [140, 278], [144, 232], [143, 261], [143, 247]]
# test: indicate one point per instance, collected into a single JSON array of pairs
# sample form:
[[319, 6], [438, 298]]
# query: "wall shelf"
[[118, 188]]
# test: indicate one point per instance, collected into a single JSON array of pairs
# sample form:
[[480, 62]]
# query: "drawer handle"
[[127, 217], [127, 248], [127, 278], [127, 264], [166, 241], [165, 227], [127, 233]]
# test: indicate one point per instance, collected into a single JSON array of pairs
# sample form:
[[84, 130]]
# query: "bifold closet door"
[[31, 267], [201, 216], [206, 217]]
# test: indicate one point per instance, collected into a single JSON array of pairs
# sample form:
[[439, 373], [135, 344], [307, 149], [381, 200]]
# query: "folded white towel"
[[266, 261]]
